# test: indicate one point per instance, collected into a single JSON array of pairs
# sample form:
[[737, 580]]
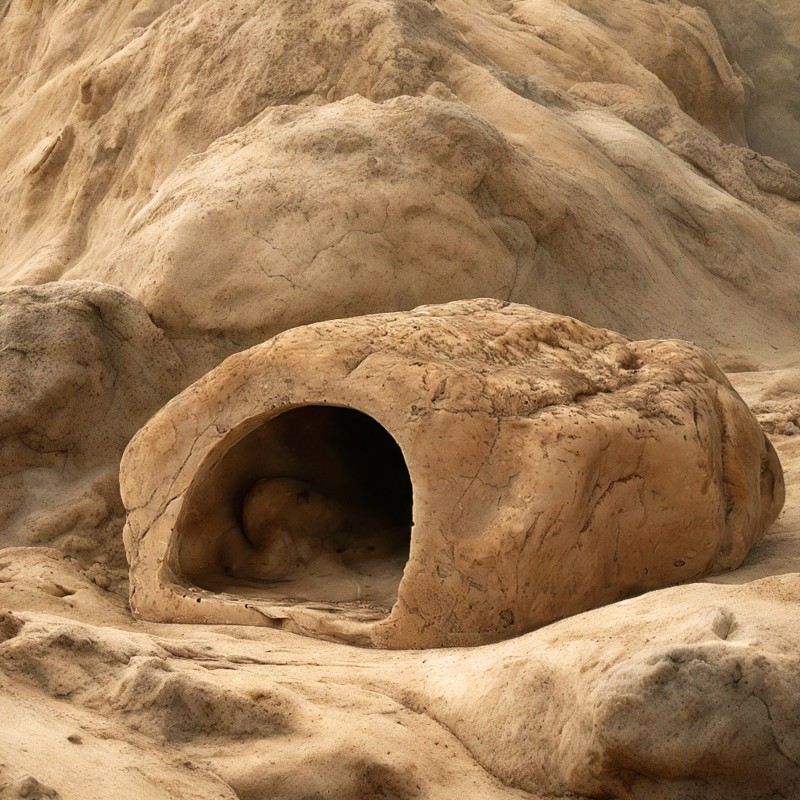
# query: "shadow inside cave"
[[311, 506]]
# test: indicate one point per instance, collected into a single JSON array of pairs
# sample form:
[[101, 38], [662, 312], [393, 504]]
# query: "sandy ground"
[[98, 705], [224, 170]]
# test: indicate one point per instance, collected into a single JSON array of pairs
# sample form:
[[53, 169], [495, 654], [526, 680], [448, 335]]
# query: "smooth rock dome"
[[452, 475]]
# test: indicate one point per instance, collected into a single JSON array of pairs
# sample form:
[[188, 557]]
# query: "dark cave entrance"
[[312, 505]]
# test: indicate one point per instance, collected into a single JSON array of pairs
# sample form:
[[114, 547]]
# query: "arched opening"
[[313, 505]]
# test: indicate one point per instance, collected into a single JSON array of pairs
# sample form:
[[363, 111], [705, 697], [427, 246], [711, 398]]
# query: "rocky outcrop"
[[553, 467], [760, 40], [242, 167], [81, 368], [682, 693]]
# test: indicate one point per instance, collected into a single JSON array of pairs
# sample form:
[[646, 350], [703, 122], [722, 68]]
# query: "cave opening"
[[313, 505]]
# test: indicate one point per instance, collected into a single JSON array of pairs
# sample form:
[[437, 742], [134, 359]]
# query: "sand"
[[180, 181]]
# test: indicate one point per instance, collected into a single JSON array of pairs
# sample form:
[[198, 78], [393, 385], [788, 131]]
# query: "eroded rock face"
[[243, 167], [688, 692], [760, 38], [81, 368], [458, 474]]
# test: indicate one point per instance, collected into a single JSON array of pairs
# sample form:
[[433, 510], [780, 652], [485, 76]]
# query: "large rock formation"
[[688, 692], [760, 40], [554, 467], [81, 368], [245, 167], [683, 693]]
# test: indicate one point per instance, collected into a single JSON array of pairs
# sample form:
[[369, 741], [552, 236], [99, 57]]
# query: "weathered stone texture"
[[555, 467]]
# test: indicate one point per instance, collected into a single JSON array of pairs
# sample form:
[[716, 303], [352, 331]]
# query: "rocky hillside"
[[182, 179]]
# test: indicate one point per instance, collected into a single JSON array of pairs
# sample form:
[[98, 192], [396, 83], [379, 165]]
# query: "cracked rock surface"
[[555, 467], [245, 167], [82, 366], [241, 167]]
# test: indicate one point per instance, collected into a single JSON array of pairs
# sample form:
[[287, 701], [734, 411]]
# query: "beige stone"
[[243, 167], [82, 366], [760, 39], [554, 467], [687, 692]]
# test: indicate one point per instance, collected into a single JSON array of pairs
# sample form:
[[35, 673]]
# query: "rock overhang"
[[553, 467]]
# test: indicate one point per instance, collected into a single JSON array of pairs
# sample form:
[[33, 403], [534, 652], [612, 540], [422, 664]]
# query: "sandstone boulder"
[[688, 692], [453, 475], [81, 368]]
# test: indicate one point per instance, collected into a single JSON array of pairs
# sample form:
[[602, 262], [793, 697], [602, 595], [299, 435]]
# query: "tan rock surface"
[[81, 368], [611, 161], [555, 467], [189, 153], [760, 39], [687, 692]]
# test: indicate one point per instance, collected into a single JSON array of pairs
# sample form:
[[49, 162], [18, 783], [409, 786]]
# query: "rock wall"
[[244, 167], [82, 367]]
